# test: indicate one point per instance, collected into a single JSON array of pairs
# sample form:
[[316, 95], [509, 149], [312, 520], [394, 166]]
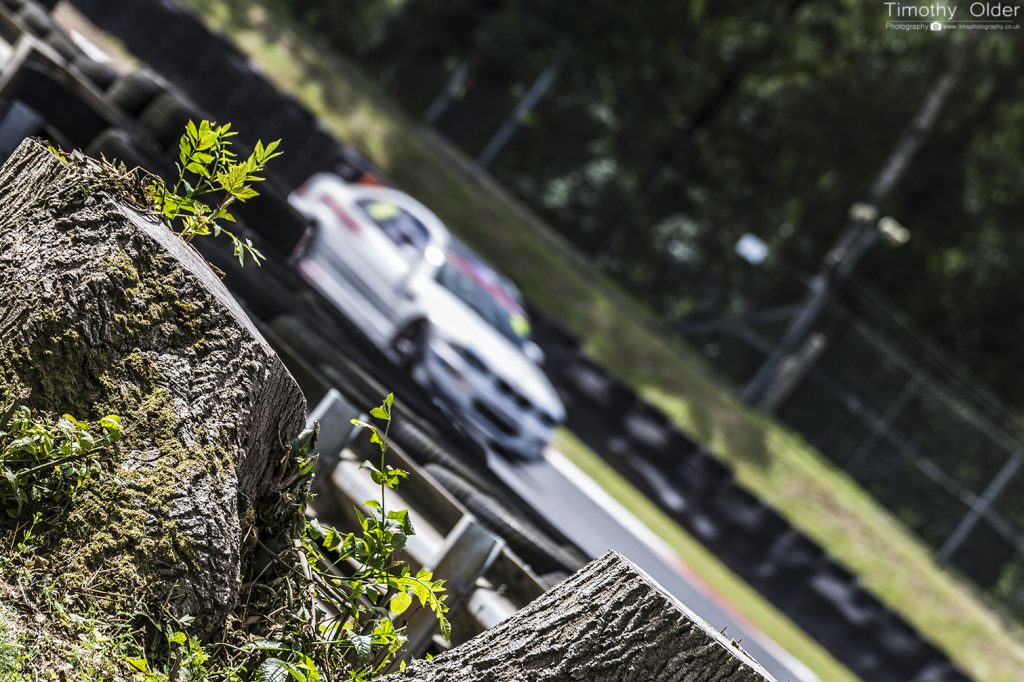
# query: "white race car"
[[427, 300]]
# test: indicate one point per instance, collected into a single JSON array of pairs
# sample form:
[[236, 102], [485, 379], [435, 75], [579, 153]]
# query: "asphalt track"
[[581, 510]]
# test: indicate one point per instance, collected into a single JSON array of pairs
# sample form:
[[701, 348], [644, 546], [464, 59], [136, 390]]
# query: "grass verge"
[[781, 468], [717, 575]]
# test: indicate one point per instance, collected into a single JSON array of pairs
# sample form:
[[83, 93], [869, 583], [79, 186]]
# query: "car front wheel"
[[410, 344]]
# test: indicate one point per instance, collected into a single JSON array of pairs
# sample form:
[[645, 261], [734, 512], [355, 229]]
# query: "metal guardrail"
[[486, 582]]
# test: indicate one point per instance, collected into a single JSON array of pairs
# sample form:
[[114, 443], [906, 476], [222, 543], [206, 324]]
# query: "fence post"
[[444, 98], [978, 510], [525, 105], [890, 415]]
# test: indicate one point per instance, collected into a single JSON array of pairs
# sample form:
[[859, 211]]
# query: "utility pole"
[[860, 234]]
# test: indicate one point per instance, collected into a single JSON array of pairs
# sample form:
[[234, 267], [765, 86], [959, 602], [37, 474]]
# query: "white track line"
[[666, 553]]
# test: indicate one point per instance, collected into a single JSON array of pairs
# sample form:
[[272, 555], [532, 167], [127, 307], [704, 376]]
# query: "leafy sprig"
[[208, 166], [344, 593], [42, 459]]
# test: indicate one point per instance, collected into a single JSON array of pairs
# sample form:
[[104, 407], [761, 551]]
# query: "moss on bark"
[[105, 312]]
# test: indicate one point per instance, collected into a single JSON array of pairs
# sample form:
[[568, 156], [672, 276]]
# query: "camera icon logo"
[[936, 26]]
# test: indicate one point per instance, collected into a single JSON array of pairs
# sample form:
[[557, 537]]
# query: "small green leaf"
[[244, 193], [56, 152], [361, 643], [184, 149], [332, 539], [400, 602]]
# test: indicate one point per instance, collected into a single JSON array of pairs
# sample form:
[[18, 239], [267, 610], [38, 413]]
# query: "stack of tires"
[[35, 17], [212, 72]]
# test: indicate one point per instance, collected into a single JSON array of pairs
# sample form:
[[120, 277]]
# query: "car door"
[[389, 250]]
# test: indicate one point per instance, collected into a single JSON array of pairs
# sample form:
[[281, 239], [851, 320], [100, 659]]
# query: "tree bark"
[[105, 311], [609, 622]]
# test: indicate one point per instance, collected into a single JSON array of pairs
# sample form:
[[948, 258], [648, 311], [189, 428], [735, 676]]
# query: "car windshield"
[[483, 290], [398, 224]]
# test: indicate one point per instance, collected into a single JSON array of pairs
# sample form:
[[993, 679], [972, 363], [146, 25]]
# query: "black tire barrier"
[[542, 554], [273, 218], [165, 117], [62, 45], [554, 334], [39, 88], [222, 82], [100, 75], [265, 297], [658, 486], [425, 449], [115, 143], [843, 595], [704, 474], [133, 91], [35, 18], [590, 382], [647, 430]]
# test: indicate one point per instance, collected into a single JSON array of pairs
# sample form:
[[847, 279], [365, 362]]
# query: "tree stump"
[[104, 311], [609, 622]]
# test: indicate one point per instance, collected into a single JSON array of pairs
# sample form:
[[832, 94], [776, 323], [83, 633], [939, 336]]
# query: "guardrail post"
[[334, 414], [467, 553]]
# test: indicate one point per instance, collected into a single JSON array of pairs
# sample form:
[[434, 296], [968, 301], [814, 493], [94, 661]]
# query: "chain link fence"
[[905, 419]]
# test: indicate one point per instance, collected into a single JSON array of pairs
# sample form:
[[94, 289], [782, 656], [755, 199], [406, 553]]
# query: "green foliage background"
[[674, 128]]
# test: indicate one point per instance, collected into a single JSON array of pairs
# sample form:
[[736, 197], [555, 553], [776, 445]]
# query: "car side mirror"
[[533, 352]]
